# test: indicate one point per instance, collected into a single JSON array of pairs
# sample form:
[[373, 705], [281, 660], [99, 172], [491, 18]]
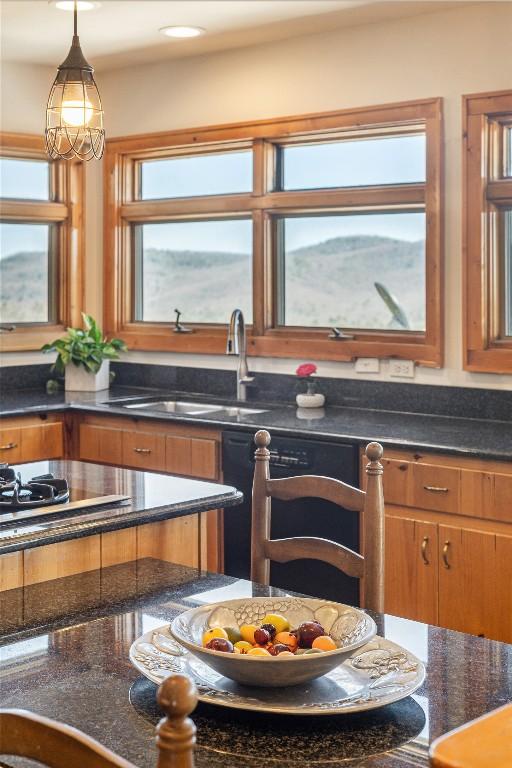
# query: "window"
[[488, 232], [196, 175], [40, 243], [307, 224], [369, 271], [201, 267]]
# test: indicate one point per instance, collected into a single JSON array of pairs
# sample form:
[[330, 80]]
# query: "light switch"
[[367, 365]]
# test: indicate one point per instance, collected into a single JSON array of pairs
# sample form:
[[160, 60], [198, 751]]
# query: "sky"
[[369, 161]]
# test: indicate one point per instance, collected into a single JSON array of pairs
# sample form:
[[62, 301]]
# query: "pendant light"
[[74, 117]]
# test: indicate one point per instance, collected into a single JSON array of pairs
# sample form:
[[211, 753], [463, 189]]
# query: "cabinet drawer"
[[10, 445], [395, 481], [178, 458], [144, 450], [204, 459], [100, 444], [435, 487], [502, 507]]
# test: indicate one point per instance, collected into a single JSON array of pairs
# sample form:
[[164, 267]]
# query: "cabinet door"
[[100, 444], [411, 569], [42, 441], [203, 455], [144, 450], [178, 455], [467, 579]]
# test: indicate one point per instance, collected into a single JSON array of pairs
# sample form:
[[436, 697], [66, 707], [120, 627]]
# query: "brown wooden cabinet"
[[29, 438], [449, 541], [412, 569]]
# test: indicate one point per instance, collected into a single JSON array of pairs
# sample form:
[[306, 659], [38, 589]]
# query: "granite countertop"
[[151, 497], [490, 439], [64, 654]]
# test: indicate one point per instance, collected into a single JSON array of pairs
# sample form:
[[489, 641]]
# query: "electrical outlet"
[[367, 365], [402, 368]]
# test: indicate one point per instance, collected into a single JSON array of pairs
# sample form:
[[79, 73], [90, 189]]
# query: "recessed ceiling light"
[[182, 32], [69, 5]]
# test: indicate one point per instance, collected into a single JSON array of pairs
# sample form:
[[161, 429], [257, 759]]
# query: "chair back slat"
[[327, 488], [311, 548], [368, 566], [56, 745]]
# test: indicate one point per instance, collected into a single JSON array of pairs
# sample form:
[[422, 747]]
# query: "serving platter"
[[375, 674]]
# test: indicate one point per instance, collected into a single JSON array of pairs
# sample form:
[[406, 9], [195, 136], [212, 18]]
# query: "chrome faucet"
[[237, 345]]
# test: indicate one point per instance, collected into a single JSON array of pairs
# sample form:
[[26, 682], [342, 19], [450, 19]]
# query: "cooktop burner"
[[40, 491]]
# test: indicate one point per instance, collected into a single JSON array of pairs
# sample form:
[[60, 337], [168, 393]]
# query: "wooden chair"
[[369, 566], [57, 745]]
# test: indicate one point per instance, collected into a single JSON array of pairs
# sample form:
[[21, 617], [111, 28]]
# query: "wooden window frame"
[[66, 209], [486, 192], [122, 209]]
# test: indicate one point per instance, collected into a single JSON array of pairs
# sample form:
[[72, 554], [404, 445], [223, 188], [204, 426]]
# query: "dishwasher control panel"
[[288, 458]]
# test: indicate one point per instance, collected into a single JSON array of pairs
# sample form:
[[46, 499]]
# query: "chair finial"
[[262, 438], [176, 733], [374, 451]]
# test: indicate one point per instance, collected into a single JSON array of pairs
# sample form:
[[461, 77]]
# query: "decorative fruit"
[[309, 651], [247, 631], [270, 629], [215, 632], [258, 652], [286, 638], [287, 654], [233, 634], [279, 622], [243, 646], [323, 643], [308, 631], [220, 644], [277, 649], [261, 636]]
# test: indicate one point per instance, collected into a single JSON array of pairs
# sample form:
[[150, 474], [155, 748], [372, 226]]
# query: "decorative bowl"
[[349, 627]]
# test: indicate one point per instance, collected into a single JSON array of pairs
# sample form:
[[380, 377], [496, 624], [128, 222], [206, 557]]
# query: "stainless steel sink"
[[236, 411], [192, 409], [175, 406]]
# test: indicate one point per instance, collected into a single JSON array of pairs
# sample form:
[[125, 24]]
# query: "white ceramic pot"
[[306, 400], [80, 380]]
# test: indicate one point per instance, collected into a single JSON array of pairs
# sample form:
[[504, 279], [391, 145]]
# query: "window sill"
[[29, 338]]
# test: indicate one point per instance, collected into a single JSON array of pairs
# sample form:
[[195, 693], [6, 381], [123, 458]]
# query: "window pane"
[[24, 273], [355, 163], [24, 179], [508, 273], [508, 152], [208, 174], [203, 268], [365, 271]]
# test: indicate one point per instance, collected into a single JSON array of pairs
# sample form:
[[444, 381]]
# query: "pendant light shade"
[[74, 117]]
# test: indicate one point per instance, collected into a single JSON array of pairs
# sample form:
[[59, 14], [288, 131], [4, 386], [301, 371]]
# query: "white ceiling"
[[125, 32]]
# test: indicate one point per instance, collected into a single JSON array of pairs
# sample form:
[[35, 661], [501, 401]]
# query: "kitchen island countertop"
[[64, 648], [151, 497]]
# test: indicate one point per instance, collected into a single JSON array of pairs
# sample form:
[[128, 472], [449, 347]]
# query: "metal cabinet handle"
[[424, 544], [436, 489], [8, 446], [445, 554], [142, 450]]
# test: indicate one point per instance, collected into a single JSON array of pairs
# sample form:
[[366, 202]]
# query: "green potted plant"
[[84, 355]]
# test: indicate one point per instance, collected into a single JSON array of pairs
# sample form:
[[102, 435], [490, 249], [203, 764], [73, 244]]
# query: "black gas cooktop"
[[42, 490]]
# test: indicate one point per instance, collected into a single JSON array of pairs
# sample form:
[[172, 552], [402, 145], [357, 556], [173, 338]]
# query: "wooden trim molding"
[[264, 205], [486, 193], [66, 209]]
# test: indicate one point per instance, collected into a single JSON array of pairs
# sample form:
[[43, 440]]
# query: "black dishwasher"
[[302, 517]]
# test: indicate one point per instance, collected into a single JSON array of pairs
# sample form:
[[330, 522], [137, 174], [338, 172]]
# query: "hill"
[[329, 283]]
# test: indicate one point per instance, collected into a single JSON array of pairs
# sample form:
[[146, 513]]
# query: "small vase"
[[310, 399], [80, 380]]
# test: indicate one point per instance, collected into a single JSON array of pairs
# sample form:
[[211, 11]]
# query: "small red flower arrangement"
[[306, 369]]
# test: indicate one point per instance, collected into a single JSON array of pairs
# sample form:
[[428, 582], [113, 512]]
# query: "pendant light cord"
[[75, 19]]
